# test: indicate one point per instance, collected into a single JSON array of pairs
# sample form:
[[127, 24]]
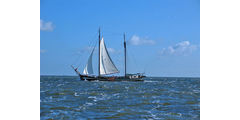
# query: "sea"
[[157, 98]]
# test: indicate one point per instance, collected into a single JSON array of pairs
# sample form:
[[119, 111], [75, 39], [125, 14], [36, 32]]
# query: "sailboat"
[[106, 66]]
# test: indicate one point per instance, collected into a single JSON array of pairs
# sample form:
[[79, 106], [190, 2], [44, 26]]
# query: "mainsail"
[[106, 64], [88, 68]]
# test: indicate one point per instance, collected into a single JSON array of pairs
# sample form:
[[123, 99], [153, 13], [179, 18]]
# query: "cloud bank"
[[46, 26], [182, 48], [136, 40]]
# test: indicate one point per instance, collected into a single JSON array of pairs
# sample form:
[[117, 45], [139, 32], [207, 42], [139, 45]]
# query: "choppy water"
[[64, 98]]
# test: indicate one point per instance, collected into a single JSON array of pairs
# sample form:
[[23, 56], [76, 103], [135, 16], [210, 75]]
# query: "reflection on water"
[[156, 98]]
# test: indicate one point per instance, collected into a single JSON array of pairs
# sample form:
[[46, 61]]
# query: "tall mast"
[[125, 60], [99, 37]]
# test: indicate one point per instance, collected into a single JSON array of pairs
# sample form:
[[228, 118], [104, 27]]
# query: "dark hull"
[[129, 77], [111, 78]]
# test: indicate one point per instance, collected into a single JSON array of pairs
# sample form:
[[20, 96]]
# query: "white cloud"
[[46, 26], [182, 48], [136, 40], [113, 51]]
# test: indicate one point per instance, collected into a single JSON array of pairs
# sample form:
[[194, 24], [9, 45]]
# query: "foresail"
[[88, 68], [106, 64]]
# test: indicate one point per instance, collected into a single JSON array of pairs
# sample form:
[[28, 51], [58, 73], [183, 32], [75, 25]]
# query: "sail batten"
[[106, 64]]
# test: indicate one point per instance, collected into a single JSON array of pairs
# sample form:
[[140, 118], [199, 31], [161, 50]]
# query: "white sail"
[[88, 68], [106, 64]]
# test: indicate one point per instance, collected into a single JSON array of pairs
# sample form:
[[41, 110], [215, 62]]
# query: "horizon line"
[[147, 76]]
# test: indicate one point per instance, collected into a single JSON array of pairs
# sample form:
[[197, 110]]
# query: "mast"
[[125, 60], [99, 37]]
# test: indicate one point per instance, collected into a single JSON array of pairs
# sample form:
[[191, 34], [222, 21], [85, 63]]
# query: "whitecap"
[[59, 85], [89, 104], [75, 94], [156, 101], [94, 97], [116, 94], [120, 110], [150, 81]]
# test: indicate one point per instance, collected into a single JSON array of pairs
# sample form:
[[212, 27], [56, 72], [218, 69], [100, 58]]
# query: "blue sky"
[[163, 36]]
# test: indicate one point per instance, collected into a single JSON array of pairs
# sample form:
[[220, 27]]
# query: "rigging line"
[[93, 39], [78, 57], [130, 61], [116, 57], [91, 51], [134, 60], [83, 52]]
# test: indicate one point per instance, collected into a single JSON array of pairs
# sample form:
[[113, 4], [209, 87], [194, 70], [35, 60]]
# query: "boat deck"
[[110, 79]]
